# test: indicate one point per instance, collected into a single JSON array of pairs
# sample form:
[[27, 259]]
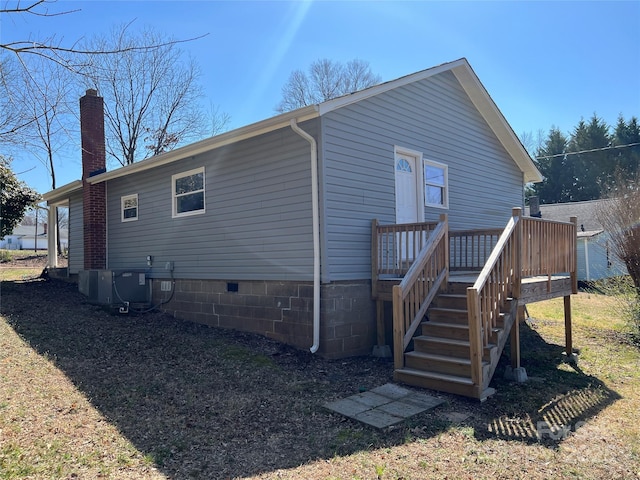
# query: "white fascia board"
[[60, 196], [494, 118], [348, 99], [228, 138]]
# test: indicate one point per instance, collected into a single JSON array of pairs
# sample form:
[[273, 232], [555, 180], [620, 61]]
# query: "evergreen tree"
[[555, 168], [592, 167], [15, 198], [627, 159]]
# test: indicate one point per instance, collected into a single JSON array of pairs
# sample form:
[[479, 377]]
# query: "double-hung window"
[[436, 189], [188, 192], [129, 207]]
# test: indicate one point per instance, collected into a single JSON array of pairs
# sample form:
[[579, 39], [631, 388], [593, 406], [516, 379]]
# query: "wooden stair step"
[[439, 363], [458, 288], [436, 381], [446, 330], [451, 315], [442, 382], [447, 346], [437, 376], [451, 300]]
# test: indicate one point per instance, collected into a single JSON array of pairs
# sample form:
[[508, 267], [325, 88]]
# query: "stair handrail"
[[499, 278], [418, 288]]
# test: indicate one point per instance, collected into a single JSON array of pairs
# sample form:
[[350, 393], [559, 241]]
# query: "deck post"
[[444, 218], [475, 336], [574, 249], [515, 339], [398, 328], [517, 252], [374, 258], [380, 322], [567, 327]]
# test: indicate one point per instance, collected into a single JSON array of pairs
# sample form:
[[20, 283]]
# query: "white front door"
[[407, 205]]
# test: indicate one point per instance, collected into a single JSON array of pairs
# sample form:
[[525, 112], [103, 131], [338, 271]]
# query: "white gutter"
[[315, 205], [206, 145]]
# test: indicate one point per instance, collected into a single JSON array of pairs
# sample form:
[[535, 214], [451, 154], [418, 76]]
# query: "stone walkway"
[[384, 406]]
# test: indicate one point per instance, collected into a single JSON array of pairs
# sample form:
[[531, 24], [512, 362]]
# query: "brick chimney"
[[93, 196]]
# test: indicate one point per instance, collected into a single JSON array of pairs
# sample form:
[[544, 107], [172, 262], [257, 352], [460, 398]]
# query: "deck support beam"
[[515, 338], [570, 356], [515, 372], [381, 349]]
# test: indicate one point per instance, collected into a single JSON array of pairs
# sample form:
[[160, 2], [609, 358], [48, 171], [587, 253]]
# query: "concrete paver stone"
[[384, 406]]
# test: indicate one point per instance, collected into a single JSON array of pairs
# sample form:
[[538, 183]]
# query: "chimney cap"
[[92, 92]]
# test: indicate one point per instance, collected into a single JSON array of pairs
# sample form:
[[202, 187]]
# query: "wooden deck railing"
[[423, 253], [548, 247], [470, 249], [395, 247], [418, 288], [527, 247], [487, 296]]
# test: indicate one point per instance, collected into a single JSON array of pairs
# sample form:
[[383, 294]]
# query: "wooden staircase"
[[441, 358], [455, 295]]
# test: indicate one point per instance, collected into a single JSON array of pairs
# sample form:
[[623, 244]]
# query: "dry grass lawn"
[[87, 394]]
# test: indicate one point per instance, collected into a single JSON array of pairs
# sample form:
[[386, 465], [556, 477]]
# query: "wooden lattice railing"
[[418, 288]]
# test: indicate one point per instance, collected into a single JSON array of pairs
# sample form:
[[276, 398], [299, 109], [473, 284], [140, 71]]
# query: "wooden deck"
[[458, 296]]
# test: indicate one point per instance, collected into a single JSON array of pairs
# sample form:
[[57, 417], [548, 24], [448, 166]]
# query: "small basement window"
[[129, 207], [188, 192], [436, 184]]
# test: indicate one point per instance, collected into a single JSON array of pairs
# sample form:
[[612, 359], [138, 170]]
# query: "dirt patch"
[[89, 394]]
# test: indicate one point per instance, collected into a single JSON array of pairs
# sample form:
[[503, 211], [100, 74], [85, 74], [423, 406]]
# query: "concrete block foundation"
[[279, 310]]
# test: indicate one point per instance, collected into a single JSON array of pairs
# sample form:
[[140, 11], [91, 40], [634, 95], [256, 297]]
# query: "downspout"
[[586, 259], [315, 204]]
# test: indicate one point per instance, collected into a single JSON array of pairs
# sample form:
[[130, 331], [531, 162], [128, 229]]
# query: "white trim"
[[445, 195], [494, 118], [60, 195], [228, 138], [460, 68], [174, 196], [123, 199], [419, 175], [348, 99]]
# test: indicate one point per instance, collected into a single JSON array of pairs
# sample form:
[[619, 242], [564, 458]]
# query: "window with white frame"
[[129, 207], [188, 192], [436, 188]]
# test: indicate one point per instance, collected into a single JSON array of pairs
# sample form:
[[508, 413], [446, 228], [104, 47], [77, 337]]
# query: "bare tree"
[[71, 57], [620, 217], [532, 142], [13, 114], [326, 80], [45, 95], [219, 120], [152, 97]]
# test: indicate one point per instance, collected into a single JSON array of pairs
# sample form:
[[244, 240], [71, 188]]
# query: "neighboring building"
[[26, 237], [596, 259], [267, 228]]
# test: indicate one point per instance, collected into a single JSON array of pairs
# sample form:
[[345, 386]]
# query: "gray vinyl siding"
[[433, 116], [257, 224], [76, 234]]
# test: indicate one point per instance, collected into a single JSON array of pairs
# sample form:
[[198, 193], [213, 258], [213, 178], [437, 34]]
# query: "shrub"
[[5, 256], [623, 288]]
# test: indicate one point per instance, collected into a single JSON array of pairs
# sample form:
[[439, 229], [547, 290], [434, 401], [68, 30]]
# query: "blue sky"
[[543, 63]]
